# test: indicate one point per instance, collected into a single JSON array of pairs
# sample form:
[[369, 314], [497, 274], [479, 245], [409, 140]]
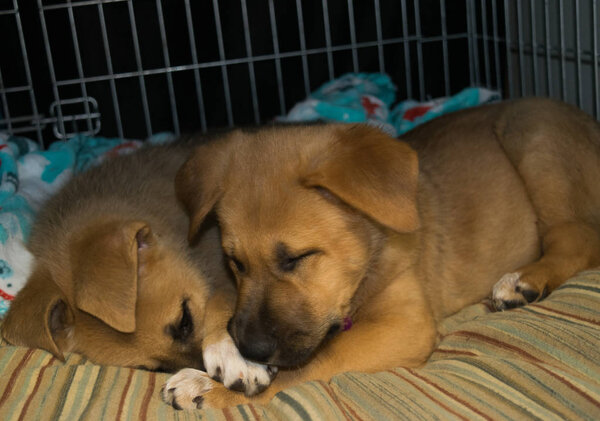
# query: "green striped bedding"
[[538, 362]]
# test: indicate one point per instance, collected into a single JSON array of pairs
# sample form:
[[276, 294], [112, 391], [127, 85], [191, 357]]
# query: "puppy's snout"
[[252, 339], [259, 349]]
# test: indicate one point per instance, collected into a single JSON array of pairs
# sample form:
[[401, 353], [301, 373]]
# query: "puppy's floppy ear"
[[37, 315], [105, 260], [373, 173], [199, 182]]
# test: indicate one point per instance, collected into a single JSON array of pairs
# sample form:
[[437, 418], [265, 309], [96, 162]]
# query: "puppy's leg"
[[567, 249], [405, 339], [556, 150], [222, 360]]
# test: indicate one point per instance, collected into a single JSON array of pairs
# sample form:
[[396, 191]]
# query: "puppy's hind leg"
[[567, 249], [555, 148]]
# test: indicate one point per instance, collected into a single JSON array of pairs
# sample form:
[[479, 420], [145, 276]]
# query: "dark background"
[[120, 38]]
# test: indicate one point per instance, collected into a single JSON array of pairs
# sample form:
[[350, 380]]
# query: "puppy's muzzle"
[[252, 339]]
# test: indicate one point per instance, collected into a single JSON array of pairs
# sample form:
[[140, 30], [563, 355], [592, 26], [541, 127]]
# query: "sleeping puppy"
[[349, 246], [113, 278]]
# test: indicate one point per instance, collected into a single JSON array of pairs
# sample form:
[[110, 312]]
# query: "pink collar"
[[347, 323]]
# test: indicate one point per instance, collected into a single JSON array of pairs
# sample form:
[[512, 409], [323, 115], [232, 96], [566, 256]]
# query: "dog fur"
[[115, 280], [326, 224]]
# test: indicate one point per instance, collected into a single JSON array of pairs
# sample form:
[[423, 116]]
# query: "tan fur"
[[395, 234], [112, 269]]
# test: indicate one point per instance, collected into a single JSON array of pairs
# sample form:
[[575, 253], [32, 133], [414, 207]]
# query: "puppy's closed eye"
[[287, 261], [182, 330], [237, 264]]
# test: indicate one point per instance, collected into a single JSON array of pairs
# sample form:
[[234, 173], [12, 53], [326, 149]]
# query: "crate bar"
[[35, 121], [79, 64], [330, 68], [277, 58], [79, 4], [165, 47], [230, 62], [509, 74], [496, 46], [471, 42], [250, 63], [485, 38], [197, 81], [578, 54], [595, 57], [61, 125], [419, 50], [5, 103], [138, 61], [28, 73], [534, 47], [475, 43], [570, 56], [407, 69], [21, 119], [548, 49], [43, 121], [223, 66], [16, 89], [563, 72], [74, 119], [18, 130], [303, 47], [445, 47], [352, 35], [95, 131], [468, 5], [113, 88], [521, 45], [28, 119], [25, 129], [380, 55]]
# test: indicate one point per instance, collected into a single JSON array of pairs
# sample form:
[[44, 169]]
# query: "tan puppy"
[[114, 279], [325, 226]]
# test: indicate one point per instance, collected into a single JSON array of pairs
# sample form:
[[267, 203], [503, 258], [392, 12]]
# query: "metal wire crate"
[[133, 68]]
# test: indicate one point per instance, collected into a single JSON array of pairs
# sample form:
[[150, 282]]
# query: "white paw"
[[186, 388], [225, 364], [510, 292]]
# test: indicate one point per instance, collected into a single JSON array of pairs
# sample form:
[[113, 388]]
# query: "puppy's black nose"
[[253, 342], [259, 350]]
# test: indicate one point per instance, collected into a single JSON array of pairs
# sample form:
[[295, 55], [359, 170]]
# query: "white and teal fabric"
[[409, 114], [371, 98]]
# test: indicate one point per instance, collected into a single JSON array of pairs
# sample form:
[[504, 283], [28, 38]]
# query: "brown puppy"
[[326, 226], [114, 279]]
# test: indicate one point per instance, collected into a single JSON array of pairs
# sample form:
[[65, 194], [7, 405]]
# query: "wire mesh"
[[132, 69]]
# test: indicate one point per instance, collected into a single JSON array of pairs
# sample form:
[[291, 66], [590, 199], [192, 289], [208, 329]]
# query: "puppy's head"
[[304, 213], [116, 293]]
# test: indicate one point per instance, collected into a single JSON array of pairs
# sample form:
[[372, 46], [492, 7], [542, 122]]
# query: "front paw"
[[186, 389], [512, 291], [194, 389], [225, 364]]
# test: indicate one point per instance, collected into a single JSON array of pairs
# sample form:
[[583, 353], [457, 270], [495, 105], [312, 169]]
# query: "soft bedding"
[[538, 362]]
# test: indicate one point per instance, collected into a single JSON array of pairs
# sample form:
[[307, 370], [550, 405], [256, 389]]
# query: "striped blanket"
[[538, 362]]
